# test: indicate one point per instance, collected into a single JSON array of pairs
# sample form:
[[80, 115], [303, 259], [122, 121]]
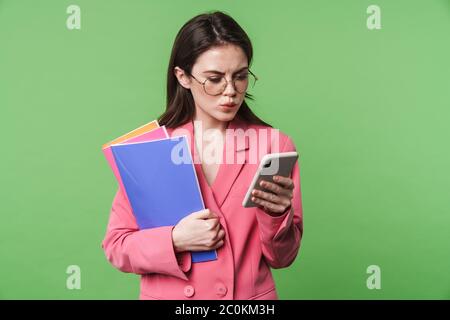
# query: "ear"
[[182, 77]]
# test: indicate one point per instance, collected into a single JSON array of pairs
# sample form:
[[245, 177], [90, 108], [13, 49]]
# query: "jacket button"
[[189, 291], [221, 289]]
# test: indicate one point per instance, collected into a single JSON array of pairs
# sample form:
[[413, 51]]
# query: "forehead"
[[226, 58]]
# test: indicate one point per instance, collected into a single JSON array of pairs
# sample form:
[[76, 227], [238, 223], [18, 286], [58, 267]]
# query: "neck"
[[208, 123]]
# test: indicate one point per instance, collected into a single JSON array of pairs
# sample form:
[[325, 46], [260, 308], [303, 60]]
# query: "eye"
[[242, 76], [215, 80]]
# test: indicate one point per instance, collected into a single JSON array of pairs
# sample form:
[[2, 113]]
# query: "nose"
[[230, 90]]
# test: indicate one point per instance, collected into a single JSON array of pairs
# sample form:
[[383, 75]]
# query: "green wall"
[[367, 109]]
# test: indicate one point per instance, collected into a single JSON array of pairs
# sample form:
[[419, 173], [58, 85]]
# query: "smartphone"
[[272, 164]]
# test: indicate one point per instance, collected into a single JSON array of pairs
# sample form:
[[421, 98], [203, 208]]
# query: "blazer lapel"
[[236, 144]]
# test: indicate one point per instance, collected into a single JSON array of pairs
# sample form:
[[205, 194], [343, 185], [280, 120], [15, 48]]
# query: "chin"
[[225, 117]]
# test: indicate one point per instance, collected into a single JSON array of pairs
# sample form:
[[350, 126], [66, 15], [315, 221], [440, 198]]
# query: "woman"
[[207, 83]]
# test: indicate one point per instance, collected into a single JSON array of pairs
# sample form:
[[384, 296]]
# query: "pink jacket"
[[254, 240]]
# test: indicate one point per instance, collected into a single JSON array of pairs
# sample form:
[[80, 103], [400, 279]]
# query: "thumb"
[[204, 214]]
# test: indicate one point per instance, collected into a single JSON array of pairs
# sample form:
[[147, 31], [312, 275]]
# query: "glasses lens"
[[242, 81], [215, 85]]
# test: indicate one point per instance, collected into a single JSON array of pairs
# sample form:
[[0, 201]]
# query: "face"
[[227, 60]]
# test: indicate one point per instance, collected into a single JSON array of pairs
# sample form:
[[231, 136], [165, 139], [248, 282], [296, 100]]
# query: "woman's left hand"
[[278, 201]]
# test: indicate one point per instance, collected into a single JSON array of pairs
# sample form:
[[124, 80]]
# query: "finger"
[[217, 227], [269, 205], [202, 214], [211, 214], [216, 236], [267, 196], [211, 243], [213, 246], [284, 181], [212, 223], [276, 188], [219, 244], [216, 230], [220, 234]]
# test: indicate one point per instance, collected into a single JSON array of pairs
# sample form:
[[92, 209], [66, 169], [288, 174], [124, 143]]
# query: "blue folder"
[[160, 182]]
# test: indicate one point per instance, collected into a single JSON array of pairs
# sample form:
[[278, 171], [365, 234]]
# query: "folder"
[[160, 182], [133, 133], [155, 132]]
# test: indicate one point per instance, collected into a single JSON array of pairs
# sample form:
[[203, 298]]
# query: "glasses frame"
[[225, 87]]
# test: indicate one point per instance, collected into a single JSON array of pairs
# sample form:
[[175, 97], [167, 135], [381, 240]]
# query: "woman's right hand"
[[199, 231]]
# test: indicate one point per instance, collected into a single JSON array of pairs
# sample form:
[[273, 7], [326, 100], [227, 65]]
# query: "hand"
[[279, 200], [199, 231]]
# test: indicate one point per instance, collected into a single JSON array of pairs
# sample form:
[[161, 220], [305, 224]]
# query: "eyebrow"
[[221, 73]]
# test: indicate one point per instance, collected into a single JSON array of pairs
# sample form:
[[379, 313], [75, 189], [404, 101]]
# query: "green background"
[[368, 111]]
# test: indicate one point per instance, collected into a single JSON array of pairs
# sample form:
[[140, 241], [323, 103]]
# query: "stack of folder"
[[158, 177]]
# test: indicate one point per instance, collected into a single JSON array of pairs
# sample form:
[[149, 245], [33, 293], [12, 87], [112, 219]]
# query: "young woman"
[[207, 83]]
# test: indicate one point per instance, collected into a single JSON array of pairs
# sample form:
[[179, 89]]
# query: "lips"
[[229, 105]]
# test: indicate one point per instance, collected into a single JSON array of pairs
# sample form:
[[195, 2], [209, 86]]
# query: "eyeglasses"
[[216, 85]]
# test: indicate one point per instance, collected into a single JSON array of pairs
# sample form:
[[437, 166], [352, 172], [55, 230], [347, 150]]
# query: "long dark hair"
[[197, 36]]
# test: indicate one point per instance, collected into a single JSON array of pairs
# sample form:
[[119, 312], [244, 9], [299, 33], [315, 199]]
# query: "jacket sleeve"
[[281, 234], [141, 251]]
